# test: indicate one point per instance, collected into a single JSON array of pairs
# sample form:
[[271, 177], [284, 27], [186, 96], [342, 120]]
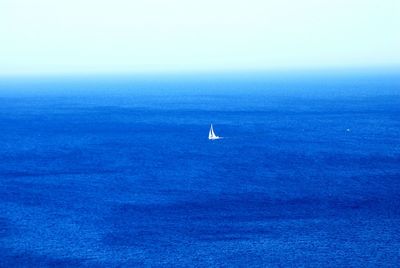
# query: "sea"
[[118, 171]]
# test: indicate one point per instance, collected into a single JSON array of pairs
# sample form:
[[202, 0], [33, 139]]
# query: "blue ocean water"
[[118, 171]]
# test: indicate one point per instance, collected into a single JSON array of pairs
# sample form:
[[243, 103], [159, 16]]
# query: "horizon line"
[[144, 73]]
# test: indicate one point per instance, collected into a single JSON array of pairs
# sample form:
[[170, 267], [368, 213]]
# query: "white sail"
[[211, 134]]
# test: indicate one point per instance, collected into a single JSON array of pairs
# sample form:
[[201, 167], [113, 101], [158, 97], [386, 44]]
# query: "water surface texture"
[[119, 172]]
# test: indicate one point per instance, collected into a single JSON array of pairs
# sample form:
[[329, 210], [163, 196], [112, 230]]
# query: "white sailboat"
[[211, 134]]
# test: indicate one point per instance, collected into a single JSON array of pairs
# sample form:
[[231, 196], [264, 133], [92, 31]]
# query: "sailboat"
[[211, 134]]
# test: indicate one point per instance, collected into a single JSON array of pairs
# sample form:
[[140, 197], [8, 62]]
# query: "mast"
[[211, 133]]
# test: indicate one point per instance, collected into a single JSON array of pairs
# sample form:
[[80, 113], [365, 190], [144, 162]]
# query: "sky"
[[89, 36]]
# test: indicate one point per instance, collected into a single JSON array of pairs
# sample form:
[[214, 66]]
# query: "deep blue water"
[[119, 171]]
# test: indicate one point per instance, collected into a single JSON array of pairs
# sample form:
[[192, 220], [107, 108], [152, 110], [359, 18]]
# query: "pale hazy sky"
[[49, 36]]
